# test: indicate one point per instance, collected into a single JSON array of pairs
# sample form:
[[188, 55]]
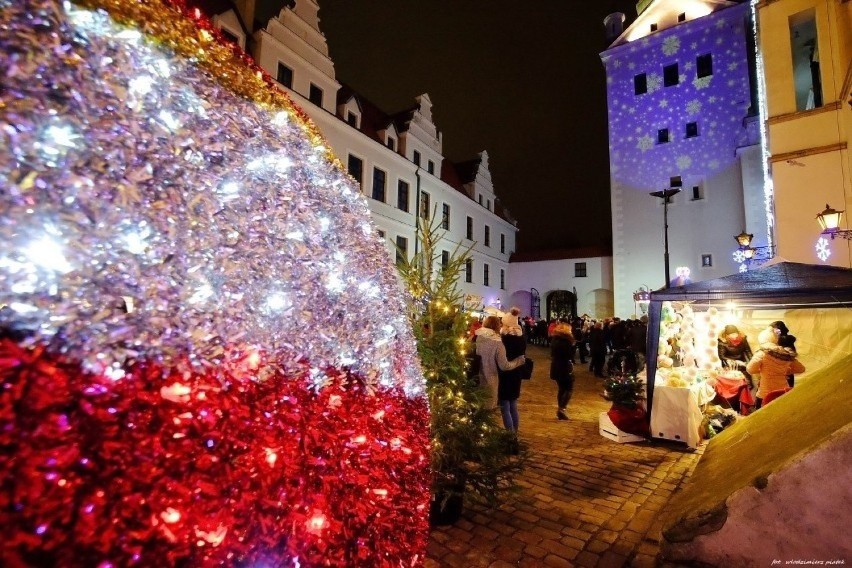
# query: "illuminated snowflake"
[[684, 162], [645, 143], [671, 45], [743, 268], [664, 103], [701, 82], [693, 106], [655, 82], [823, 250], [739, 256]]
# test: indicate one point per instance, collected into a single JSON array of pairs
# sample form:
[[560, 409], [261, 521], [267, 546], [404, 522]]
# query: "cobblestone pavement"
[[583, 500]]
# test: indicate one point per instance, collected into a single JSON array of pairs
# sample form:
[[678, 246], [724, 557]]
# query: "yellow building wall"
[[810, 158]]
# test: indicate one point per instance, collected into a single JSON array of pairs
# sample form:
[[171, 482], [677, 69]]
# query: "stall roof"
[[784, 283]]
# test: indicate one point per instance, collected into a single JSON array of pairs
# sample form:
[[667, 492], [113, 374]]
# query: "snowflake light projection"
[[204, 353], [743, 268], [739, 256], [823, 249]]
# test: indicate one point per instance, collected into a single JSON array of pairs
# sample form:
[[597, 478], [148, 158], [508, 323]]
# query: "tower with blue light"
[[682, 112]]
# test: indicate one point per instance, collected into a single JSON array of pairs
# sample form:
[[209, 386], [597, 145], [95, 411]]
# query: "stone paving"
[[583, 501]]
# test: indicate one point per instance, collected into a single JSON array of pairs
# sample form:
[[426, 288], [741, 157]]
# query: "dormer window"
[[416, 158], [391, 143], [653, 27], [681, 17], [352, 119], [229, 35], [430, 167]]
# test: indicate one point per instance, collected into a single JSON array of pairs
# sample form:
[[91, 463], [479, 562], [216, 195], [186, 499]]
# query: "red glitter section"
[[164, 468]]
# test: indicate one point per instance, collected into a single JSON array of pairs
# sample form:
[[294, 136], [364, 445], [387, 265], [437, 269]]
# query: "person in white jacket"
[[490, 348]]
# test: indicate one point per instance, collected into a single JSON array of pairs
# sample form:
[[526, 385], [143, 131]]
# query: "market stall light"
[[829, 220]]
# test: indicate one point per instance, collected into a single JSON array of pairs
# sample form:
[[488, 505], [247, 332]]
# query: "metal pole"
[[666, 238]]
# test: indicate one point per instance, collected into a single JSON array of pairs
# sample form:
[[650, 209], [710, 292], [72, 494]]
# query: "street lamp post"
[[665, 194]]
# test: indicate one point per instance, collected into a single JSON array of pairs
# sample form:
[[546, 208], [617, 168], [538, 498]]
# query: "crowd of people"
[[609, 346]]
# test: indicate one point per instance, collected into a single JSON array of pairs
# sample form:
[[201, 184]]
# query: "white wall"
[[594, 291]]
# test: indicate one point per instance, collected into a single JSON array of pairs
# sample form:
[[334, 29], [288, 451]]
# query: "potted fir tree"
[[470, 449]]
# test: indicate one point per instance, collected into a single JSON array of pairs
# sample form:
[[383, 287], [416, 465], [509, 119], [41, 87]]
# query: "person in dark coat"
[[509, 382], [597, 347], [734, 350], [637, 337], [562, 367]]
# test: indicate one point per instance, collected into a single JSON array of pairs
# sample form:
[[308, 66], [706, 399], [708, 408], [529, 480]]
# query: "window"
[[706, 260], [430, 167], [697, 193], [416, 158], [485, 274], [379, 185], [579, 270], [480, 199], [691, 129], [662, 135], [315, 95], [468, 270], [671, 76], [488, 204], [285, 75], [425, 207], [640, 84], [401, 250], [445, 259], [229, 36], [470, 228], [352, 119], [487, 236], [807, 80], [704, 65], [356, 168], [402, 195], [391, 143], [681, 17], [654, 27], [502, 243], [502, 279], [445, 217]]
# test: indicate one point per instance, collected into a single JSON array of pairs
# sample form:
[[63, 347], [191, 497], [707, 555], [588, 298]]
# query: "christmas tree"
[[204, 352], [470, 449]]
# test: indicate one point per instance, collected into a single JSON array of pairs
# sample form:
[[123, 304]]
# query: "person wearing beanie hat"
[[734, 350], [562, 347]]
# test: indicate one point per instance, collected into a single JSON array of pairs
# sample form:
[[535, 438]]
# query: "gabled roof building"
[[397, 158]]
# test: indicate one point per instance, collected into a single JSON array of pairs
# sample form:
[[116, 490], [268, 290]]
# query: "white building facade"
[[581, 277], [682, 112], [397, 159]]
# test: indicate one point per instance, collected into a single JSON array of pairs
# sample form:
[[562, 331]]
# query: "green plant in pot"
[[470, 448], [626, 393]]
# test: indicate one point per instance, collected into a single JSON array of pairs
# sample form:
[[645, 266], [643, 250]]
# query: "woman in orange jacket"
[[774, 363]]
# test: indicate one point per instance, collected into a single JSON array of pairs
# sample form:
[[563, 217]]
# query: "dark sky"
[[520, 79]]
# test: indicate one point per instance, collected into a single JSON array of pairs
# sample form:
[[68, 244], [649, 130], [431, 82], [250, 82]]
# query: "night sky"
[[522, 80]]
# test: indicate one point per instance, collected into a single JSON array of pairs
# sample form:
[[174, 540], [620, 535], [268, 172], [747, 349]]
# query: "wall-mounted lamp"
[[829, 220], [748, 256]]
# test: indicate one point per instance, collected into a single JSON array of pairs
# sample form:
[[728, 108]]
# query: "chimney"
[[614, 24]]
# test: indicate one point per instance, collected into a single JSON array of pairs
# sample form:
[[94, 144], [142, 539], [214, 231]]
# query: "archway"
[[561, 304]]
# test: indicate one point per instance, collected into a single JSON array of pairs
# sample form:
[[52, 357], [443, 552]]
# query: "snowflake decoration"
[[693, 106], [617, 63], [688, 66], [712, 99], [671, 45], [683, 162], [739, 256], [655, 82], [732, 66], [645, 143], [664, 103], [714, 164], [631, 66], [743, 268], [720, 24], [694, 45], [702, 82], [823, 250]]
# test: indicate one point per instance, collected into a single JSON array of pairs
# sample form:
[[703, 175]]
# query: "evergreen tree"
[[470, 448]]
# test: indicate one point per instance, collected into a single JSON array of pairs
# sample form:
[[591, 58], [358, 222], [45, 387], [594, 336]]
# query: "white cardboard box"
[[608, 430]]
